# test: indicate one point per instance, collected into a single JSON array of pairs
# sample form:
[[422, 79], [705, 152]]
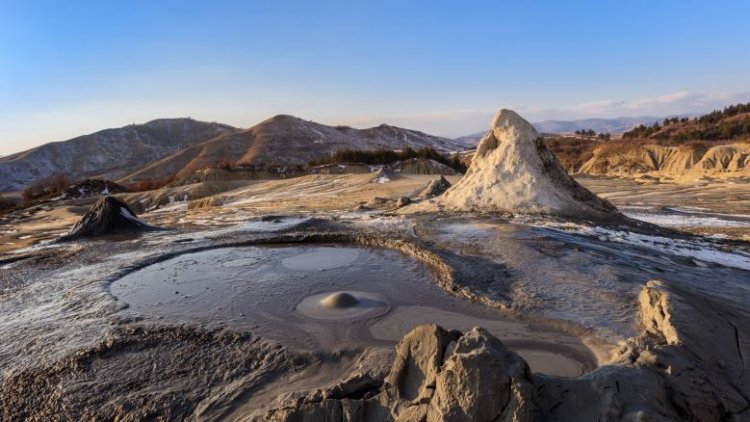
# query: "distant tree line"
[[591, 133], [46, 187], [7, 203], [729, 111], [723, 130], [144, 185], [642, 131], [387, 156], [710, 127], [52, 186]]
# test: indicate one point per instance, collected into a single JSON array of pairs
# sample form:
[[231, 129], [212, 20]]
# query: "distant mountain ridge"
[[615, 126], [110, 153], [176, 147]]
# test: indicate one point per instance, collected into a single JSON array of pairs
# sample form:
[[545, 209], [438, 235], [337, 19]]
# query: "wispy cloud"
[[596, 106], [445, 123], [679, 102], [463, 122], [76, 119]]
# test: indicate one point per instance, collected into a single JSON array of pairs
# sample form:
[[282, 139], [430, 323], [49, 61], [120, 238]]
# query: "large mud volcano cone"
[[107, 217], [512, 170]]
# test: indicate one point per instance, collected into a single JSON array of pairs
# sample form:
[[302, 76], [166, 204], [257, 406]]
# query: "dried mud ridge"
[[680, 368]]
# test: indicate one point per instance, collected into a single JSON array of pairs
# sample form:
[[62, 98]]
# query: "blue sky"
[[70, 68]]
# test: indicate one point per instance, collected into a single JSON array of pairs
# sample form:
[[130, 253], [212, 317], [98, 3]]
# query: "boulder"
[[436, 375], [378, 202], [403, 201]]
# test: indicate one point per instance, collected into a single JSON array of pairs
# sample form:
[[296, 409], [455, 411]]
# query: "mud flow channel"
[[323, 297]]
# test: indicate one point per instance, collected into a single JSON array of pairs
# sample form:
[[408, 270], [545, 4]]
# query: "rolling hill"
[[286, 140], [177, 147], [110, 153]]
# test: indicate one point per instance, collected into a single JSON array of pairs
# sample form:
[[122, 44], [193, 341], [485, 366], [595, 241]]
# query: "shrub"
[[387, 156], [7, 203], [149, 184], [47, 187], [714, 126]]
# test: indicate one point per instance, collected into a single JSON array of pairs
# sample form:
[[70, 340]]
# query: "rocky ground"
[[72, 350], [722, 207]]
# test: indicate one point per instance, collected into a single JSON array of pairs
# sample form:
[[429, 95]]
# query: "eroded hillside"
[[637, 158], [716, 145]]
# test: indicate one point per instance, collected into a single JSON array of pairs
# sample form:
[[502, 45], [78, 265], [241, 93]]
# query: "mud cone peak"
[[505, 119]]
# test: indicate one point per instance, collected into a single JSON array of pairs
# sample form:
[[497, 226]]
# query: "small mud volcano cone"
[[384, 176], [109, 216], [343, 306], [339, 300], [434, 188]]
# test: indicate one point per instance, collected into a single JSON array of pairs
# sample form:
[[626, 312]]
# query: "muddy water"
[[260, 288]]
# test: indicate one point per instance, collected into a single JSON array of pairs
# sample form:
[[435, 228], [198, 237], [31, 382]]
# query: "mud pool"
[[267, 289]]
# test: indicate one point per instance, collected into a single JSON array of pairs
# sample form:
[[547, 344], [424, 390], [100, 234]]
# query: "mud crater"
[[280, 292]]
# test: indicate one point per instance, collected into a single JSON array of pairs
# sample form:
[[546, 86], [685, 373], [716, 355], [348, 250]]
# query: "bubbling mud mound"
[[323, 297], [340, 300], [343, 306]]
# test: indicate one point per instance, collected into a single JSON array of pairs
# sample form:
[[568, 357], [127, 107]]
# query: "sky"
[[69, 68]]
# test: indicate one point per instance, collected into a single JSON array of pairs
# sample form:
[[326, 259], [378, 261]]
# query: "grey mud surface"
[[132, 329], [261, 288]]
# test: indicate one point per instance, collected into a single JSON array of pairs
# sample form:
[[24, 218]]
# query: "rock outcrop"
[[432, 189], [513, 171], [109, 216], [436, 375], [92, 187]]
